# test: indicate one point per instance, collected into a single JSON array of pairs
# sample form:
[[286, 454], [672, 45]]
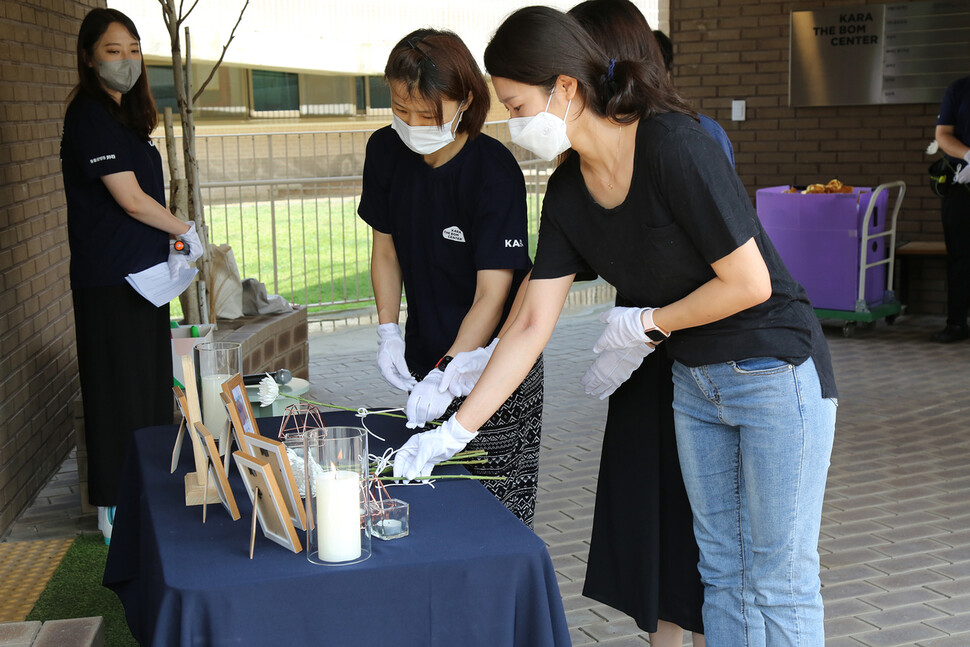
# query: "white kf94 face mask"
[[543, 134], [425, 140]]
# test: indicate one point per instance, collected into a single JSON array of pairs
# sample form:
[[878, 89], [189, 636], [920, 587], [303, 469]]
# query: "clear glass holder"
[[216, 362], [336, 463], [389, 519]]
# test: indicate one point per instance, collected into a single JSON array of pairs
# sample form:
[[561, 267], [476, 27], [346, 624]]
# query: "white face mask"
[[120, 75], [425, 140], [543, 134]]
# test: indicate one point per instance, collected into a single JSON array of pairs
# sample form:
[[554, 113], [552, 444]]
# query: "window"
[[275, 92], [162, 83], [226, 96], [380, 96], [327, 95]]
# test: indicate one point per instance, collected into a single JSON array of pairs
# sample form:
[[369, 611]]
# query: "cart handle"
[[864, 239]]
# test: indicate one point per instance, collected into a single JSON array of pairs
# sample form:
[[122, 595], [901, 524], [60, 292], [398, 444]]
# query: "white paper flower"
[[932, 148], [269, 390]]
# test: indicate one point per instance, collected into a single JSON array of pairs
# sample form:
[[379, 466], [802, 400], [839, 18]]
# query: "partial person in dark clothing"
[[953, 136], [117, 225], [642, 554], [711, 126]]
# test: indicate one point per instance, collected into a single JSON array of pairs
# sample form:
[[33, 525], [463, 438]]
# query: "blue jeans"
[[755, 438]]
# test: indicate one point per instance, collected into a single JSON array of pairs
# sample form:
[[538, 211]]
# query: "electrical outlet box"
[[738, 109]]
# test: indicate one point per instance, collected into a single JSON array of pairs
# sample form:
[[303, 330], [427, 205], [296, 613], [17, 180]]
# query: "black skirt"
[[643, 555], [124, 356], [511, 439]]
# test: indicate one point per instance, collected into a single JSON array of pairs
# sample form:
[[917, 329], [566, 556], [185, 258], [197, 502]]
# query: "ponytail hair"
[[536, 44]]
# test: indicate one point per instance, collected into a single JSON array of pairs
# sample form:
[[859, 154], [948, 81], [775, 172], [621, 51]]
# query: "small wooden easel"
[[196, 492]]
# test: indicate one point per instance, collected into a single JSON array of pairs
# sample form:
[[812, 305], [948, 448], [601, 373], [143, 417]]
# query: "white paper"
[[157, 285]]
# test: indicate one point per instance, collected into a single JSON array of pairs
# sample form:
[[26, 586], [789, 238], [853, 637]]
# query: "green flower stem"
[[335, 406], [469, 462]]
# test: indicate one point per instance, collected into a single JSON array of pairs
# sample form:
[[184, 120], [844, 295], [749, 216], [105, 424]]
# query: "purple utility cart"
[[839, 246]]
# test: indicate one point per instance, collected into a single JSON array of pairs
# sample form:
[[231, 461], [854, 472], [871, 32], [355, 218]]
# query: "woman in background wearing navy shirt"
[[448, 211], [117, 224], [953, 135]]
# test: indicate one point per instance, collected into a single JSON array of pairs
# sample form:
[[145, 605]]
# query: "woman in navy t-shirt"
[[448, 211], [117, 224]]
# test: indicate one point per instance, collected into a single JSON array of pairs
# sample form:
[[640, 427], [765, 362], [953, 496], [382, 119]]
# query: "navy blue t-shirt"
[[447, 223], [685, 210], [106, 243], [955, 111], [715, 130]]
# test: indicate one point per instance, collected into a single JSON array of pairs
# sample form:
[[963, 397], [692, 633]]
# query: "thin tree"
[[175, 14]]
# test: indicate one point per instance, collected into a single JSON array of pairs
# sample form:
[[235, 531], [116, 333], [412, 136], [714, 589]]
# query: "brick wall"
[[737, 49], [38, 370], [270, 342]]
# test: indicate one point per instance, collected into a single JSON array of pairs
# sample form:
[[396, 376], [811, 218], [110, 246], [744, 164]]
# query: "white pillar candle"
[[338, 515], [213, 410]]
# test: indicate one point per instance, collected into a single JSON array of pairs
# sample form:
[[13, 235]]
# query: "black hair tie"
[[609, 70]]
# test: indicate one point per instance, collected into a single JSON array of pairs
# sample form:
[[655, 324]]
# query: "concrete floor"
[[895, 542]]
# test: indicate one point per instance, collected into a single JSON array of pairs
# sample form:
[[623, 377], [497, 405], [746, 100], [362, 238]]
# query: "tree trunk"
[[193, 193], [197, 311], [189, 299]]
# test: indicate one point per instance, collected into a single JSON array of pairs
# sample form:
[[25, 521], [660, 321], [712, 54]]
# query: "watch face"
[[655, 335]]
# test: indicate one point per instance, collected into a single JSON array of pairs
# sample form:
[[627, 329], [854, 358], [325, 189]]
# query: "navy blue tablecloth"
[[469, 573]]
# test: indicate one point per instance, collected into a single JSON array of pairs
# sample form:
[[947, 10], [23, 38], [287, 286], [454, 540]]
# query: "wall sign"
[[879, 53]]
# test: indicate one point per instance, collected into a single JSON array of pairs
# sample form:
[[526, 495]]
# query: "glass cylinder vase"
[[216, 362], [336, 502]]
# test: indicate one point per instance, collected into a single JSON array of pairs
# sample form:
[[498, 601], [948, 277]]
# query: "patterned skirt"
[[511, 439]]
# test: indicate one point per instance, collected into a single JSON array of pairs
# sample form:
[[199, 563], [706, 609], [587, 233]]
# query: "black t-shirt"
[[106, 243], [447, 223], [685, 210]]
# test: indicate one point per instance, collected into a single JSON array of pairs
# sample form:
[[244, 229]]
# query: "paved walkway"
[[895, 538]]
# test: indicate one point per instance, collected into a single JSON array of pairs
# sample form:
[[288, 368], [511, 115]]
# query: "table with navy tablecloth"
[[469, 573]]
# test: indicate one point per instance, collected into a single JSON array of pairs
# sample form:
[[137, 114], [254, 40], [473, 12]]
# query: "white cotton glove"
[[418, 456], [427, 401], [611, 368], [390, 357], [962, 175], [192, 243], [624, 328], [463, 371], [177, 261]]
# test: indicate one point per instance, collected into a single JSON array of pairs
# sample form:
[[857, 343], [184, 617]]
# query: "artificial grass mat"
[[75, 591]]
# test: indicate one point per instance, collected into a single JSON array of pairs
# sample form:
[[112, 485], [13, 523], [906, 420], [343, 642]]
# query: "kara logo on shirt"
[[102, 158], [453, 233], [513, 242]]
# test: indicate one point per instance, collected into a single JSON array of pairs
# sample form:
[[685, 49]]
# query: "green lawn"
[[322, 248]]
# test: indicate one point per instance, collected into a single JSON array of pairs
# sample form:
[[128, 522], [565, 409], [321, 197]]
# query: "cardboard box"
[[183, 342], [818, 236]]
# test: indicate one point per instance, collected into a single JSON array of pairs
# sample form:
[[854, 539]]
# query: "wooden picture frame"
[[216, 476], [269, 503], [240, 410], [183, 406], [274, 452]]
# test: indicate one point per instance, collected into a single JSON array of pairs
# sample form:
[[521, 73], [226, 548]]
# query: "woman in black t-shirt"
[[649, 202], [448, 212], [117, 224]]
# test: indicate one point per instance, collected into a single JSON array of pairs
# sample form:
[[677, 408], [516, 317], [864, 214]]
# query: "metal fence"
[[286, 202]]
